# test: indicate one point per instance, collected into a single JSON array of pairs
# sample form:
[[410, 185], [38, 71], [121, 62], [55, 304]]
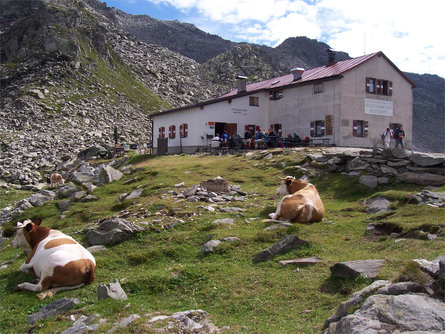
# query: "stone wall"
[[379, 166]]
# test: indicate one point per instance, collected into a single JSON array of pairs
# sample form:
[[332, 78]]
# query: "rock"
[[391, 314], [67, 190], [124, 323], [135, 194], [63, 205], [422, 178], [377, 204], [111, 290], [281, 246], [112, 230], [352, 269], [209, 246], [82, 325], [39, 199], [370, 181], [108, 174], [57, 307], [427, 159], [345, 307], [217, 185], [280, 225], [223, 221], [97, 249], [357, 164], [400, 153], [300, 262]]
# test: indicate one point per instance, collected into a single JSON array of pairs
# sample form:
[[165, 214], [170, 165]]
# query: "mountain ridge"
[[71, 70]]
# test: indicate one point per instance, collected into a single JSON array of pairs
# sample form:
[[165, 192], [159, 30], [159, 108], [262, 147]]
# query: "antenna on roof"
[[364, 43]]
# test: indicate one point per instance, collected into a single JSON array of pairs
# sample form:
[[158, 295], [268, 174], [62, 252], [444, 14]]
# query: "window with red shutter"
[[354, 128], [360, 128], [162, 132], [172, 131], [184, 130]]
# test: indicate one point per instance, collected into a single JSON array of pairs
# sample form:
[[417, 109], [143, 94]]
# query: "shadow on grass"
[[336, 285]]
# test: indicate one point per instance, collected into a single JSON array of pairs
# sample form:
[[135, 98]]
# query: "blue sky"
[[409, 32]]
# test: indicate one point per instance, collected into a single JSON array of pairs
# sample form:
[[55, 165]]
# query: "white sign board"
[[378, 107]]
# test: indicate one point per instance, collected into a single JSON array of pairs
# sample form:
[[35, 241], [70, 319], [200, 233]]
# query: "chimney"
[[241, 83], [297, 72], [331, 56]]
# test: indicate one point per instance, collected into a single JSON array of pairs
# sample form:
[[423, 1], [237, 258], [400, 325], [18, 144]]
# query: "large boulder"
[[112, 230], [352, 269], [389, 314], [427, 159], [108, 174], [426, 179]]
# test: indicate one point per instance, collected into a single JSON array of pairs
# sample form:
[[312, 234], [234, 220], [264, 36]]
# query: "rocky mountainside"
[[72, 70], [69, 75]]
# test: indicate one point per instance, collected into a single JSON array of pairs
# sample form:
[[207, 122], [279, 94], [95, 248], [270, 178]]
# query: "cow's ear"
[[37, 221], [28, 227], [288, 182]]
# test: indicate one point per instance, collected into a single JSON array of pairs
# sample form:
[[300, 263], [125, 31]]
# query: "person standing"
[[386, 138], [399, 136]]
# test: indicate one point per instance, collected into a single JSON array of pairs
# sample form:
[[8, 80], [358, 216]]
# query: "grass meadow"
[[162, 270]]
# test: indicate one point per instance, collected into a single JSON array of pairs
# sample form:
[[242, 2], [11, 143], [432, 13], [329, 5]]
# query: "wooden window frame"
[[355, 127], [254, 101], [172, 132], [161, 132], [184, 130], [314, 125]]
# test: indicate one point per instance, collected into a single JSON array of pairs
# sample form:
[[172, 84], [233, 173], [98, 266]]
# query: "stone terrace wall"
[[380, 166]]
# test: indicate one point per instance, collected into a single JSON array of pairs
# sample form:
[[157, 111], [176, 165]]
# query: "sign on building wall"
[[378, 107]]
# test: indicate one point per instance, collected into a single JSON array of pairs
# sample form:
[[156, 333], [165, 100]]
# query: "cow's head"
[[290, 185], [21, 239]]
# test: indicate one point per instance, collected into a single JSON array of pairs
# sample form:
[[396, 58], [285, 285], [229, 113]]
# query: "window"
[[161, 132], [253, 101], [183, 130], [359, 128], [378, 86], [172, 132], [318, 128], [276, 95], [318, 88]]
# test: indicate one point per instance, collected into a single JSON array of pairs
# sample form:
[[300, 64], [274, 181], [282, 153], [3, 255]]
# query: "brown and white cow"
[[301, 203], [56, 179], [56, 259]]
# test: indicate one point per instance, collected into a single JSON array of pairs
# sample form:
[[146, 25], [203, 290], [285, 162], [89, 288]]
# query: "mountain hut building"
[[346, 103]]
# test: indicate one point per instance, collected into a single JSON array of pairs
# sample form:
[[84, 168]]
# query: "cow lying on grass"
[[55, 179], [56, 259], [301, 202]]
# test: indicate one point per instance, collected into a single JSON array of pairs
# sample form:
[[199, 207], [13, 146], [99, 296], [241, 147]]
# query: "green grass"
[[162, 270]]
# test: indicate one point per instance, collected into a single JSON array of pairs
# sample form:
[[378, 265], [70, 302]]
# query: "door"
[[231, 128]]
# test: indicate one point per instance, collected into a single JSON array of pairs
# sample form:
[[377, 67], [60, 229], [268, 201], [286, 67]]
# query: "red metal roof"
[[322, 72], [331, 71]]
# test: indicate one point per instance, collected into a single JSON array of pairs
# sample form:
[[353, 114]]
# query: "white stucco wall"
[[353, 95], [300, 105], [237, 111]]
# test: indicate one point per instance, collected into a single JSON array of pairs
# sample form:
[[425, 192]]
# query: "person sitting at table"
[[260, 138], [272, 137], [224, 138], [216, 141]]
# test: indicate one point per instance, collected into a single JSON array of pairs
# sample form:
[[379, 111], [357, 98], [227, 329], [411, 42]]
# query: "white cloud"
[[406, 31]]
